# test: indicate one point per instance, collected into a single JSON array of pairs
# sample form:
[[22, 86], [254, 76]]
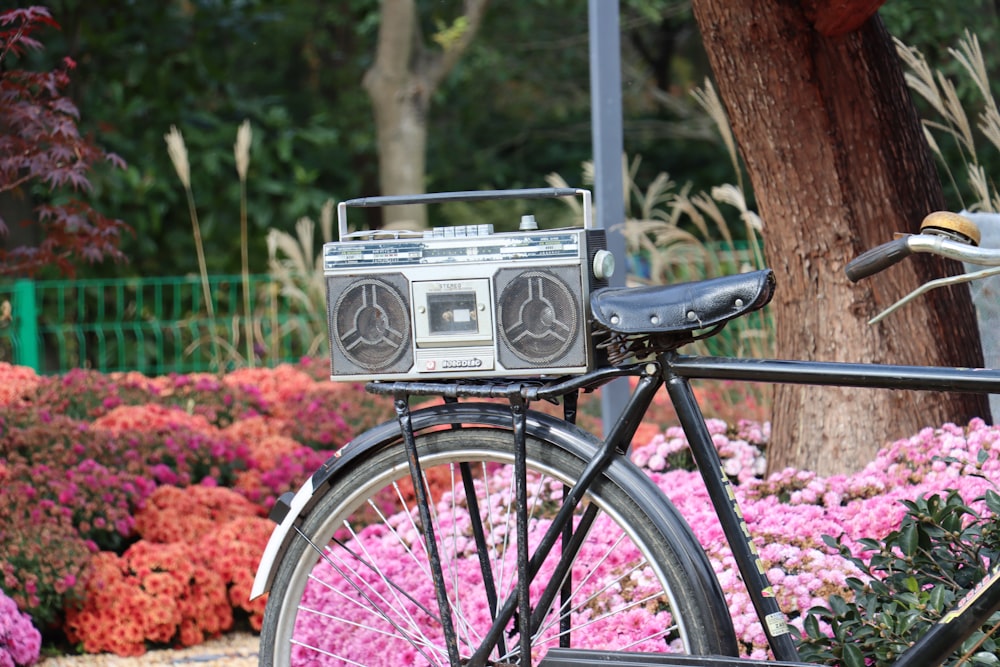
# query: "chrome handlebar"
[[887, 254], [945, 247]]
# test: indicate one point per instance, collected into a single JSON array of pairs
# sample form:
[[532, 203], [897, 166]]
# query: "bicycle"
[[411, 545]]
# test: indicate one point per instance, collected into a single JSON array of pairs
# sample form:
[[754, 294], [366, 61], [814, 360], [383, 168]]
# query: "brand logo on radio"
[[473, 362]]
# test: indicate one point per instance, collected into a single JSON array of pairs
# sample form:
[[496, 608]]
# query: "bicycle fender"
[[291, 509]]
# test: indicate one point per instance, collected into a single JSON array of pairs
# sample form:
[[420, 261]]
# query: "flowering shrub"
[[151, 418], [317, 412], [89, 394], [220, 403], [280, 388], [102, 499], [69, 487], [184, 515], [86, 394], [180, 456], [614, 580], [180, 583], [159, 593], [233, 551], [16, 383], [790, 513], [317, 418], [20, 642], [265, 452], [119, 492], [263, 482], [253, 429], [43, 560], [54, 460], [741, 449]]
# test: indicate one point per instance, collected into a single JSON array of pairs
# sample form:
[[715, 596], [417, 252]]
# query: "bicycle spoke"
[[375, 570], [373, 608], [328, 653], [479, 535], [389, 584]]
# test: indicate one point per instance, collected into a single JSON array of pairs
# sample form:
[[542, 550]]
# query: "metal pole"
[[608, 143]]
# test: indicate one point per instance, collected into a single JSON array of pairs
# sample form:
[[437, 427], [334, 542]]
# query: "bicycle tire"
[[317, 616]]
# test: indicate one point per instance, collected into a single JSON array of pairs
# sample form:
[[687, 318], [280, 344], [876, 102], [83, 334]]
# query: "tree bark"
[[401, 83], [838, 163], [838, 17]]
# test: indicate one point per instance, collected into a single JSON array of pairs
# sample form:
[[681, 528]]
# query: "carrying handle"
[[468, 195]]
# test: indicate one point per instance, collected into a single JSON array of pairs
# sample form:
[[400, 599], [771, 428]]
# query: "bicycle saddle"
[[683, 308]]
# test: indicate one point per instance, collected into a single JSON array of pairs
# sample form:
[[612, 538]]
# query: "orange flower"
[[233, 551], [184, 515], [266, 452], [254, 428], [150, 418], [16, 382], [279, 386], [157, 593]]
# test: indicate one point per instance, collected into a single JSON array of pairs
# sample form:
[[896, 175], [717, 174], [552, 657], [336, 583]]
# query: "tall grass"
[[177, 150], [951, 123], [297, 277], [241, 153], [298, 269]]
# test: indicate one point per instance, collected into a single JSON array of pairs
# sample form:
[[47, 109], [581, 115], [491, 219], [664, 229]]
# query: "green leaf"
[[838, 605], [811, 625], [909, 539], [853, 656], [993, 501], [936, 599]]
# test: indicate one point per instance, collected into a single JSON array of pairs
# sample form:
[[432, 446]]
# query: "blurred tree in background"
[[514, 109], [206, 66]]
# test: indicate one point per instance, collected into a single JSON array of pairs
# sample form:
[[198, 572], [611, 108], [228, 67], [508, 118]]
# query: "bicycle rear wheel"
[[355, 587]]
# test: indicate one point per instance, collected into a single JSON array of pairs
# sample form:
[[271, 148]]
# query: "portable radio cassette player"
[[463, 301]]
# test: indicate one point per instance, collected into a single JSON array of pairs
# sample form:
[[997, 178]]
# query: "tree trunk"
[[838, 163], [401, 129], [400, 83]]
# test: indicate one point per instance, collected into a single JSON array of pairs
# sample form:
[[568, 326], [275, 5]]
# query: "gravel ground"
[[237, 649]]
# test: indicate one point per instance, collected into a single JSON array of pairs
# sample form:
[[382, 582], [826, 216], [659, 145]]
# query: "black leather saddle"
[[673, 315]]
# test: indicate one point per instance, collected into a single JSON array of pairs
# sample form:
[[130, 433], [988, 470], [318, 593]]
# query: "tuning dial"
[[604, 265]]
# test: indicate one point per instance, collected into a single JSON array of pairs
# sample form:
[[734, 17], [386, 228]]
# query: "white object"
[[986, 297]]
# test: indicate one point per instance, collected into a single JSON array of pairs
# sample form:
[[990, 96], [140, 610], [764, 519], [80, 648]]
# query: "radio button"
[[458, 231]]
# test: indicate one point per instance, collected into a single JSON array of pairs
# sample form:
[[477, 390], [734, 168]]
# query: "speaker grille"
[[539, 317], [369, 319]]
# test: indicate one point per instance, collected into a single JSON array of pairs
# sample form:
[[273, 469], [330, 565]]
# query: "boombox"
[[463, 302]]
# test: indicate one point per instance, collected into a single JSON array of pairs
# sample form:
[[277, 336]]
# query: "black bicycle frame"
[[676, 371], [946, 635]]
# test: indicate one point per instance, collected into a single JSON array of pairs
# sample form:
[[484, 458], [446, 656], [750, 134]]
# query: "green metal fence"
[[153, 325]]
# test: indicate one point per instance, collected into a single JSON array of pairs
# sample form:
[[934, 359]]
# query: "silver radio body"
[[463, 302]]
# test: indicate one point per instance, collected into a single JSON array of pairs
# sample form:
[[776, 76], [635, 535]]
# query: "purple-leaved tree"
[[45, 162]]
